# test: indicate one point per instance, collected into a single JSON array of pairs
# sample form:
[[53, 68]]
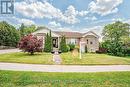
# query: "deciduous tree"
[[9, 36], [25, 30], [114, 34]]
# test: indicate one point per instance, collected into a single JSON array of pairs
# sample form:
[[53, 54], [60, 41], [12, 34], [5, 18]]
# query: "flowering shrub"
[[31, 44]]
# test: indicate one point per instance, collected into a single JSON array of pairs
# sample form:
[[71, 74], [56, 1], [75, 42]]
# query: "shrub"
[[128, 51], [48, 43], [30, 44], [77, 48], [63, 46], [86, 49], [68, 47], [117, 49], [101, 50], [71, 46]]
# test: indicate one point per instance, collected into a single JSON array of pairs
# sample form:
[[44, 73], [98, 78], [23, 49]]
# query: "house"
[[89, 39]]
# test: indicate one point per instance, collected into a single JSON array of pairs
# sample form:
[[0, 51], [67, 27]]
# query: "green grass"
[[67, 58], [94, 59], [38, 79], [20, 57]]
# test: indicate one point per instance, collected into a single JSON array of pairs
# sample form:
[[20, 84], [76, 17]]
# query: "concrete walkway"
[[56, 58], [62, 68], [9, 51]]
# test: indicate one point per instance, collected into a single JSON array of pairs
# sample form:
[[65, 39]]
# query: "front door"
[[55, 42]]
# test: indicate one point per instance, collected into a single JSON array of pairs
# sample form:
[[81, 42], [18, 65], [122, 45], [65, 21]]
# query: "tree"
[[9, 36], [63, 46], [22, 30], [31, 44], [51, 46], [25, 30], [30, 29], [48, 43], [116, 31], [113, 36]]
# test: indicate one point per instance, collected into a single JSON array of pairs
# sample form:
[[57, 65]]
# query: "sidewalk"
[[62, 68]]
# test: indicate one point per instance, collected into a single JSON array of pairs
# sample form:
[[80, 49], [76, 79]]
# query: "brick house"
[[90, 39]]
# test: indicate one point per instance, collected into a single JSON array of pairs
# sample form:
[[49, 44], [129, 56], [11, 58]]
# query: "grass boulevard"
[[38, 79]]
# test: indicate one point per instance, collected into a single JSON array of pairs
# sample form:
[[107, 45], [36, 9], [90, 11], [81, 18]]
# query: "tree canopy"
[[114, 36], [9, 36], [116, 31], [25, 30]]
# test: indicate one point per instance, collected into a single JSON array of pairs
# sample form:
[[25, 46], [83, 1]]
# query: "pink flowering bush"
[[31, 44]]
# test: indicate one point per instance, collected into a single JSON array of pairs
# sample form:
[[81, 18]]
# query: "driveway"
[[62, 68], [9, 51]]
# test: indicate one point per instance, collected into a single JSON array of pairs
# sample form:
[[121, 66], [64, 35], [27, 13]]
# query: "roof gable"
[[90, 33], [45, 31]]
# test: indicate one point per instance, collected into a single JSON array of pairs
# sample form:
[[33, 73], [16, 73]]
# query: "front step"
[[56, 51]]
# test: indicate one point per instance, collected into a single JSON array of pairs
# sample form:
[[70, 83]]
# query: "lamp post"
[[80, 51]]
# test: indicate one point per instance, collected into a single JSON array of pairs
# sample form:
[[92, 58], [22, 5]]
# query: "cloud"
[[104, 7], [17, 21], [54, 24], [67, 29], [23, 20], [83, 13], [70, 14], [118, 19], [26, 21], [46, 10], [93, 18]]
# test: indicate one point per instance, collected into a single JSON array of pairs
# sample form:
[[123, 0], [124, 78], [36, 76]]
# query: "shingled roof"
[[69, 34]]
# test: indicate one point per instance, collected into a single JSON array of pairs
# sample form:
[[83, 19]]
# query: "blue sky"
[[70, 15]]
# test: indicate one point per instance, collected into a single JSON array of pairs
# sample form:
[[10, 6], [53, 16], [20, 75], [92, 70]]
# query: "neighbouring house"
[[89, 39]]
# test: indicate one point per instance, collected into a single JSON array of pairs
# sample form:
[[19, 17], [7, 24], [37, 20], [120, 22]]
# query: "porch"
[[55, 42]]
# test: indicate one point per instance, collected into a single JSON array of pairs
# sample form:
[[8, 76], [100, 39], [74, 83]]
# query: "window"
[[73, 41], [91, 42]]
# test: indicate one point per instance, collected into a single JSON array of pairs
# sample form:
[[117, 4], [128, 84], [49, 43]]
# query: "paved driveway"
[[9, 51], [62, 68]]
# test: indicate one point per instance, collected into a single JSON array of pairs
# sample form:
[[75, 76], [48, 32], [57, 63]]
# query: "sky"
[[70, 15]]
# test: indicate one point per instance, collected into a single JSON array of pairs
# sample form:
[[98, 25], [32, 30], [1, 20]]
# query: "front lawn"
[[20, 57], [38, 79], [67, 58], [93, 59]]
